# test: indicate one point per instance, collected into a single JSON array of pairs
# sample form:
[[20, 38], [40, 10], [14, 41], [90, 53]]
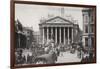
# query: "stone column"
[[60, 34], [72, 35], [51, 32], [68, 34], [43, 35], [64, 35], [47, 33], [55, 34]]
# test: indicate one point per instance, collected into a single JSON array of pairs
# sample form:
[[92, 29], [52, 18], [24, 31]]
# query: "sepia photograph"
[[50, 34]]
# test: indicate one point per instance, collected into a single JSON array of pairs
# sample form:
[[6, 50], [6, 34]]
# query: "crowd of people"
[[25, 56]]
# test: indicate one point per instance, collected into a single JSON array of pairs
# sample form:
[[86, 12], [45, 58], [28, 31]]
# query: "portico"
[[58, 29]]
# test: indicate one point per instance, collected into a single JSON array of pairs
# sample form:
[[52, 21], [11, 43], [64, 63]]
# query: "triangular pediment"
[[58, 20]]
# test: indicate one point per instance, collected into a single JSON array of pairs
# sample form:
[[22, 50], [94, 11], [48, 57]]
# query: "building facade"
[[19, 35], [59, 29], [88, 27], [37, 37], [24, 35], [28, 31]]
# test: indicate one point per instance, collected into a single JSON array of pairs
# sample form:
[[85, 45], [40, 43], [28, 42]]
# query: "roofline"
[[57, 17]]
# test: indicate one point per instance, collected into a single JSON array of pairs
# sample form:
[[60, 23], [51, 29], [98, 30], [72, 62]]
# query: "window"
[[92, 40], [86, 28], [86, 19], [86, 41], [92, 28], [92, 19]]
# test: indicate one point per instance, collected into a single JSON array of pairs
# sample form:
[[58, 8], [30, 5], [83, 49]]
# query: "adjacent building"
[[24, 35], [19, 35], [37, 37], [88, 27], [28, 31]]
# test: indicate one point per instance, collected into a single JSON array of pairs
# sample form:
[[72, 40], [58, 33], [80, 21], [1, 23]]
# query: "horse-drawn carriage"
[[38, 56], [46, 58], [50, 56]]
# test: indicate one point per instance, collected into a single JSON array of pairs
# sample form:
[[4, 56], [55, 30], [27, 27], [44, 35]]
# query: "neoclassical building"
[[59, 29]]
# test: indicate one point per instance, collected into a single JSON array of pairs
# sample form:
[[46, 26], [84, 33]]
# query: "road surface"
[[68, 57]]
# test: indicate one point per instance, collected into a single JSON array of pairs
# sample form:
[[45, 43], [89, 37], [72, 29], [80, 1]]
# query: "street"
[[68, 57]]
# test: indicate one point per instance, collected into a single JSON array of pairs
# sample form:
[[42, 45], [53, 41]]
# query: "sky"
[[30, 15]]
